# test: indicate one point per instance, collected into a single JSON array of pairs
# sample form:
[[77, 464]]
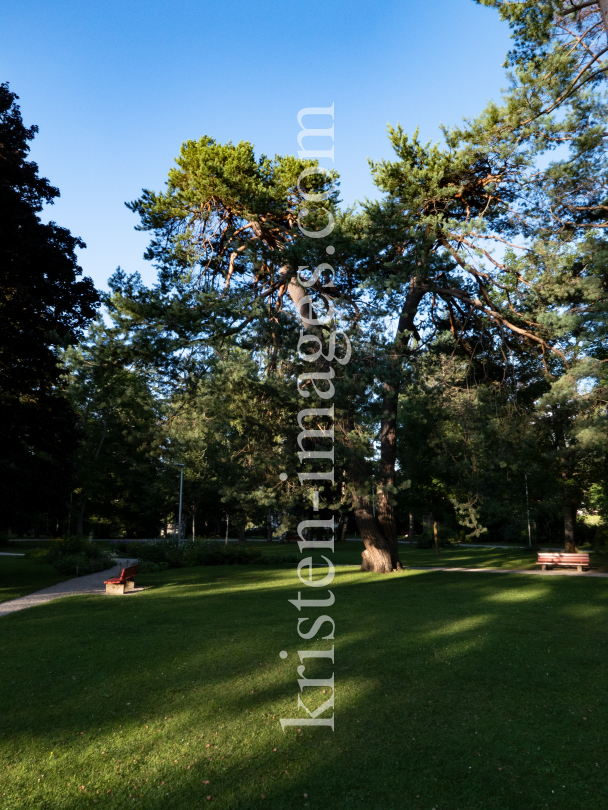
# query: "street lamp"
[[181, 487]]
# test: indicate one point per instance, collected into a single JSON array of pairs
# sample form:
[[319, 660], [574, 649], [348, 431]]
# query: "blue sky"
[[116, 87]]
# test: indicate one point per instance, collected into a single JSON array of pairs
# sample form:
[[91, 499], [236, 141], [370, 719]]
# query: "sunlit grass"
[[452, 691]]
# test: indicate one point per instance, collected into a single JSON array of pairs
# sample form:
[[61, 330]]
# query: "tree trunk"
[[380, 535], [193, 525], [570, 545], [603, 4], [410, 534], [342, 528], [79, 525], [390, 404], [377, 554], [436, 538], [380, 555], [269, 527], [388, 459], [242, 532]]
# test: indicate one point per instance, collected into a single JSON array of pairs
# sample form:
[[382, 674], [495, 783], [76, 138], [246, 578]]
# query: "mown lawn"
[[349, 553], [453, 691], [22, 575]]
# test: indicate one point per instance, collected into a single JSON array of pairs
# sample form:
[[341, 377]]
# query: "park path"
[[91, 583], [94, 583]]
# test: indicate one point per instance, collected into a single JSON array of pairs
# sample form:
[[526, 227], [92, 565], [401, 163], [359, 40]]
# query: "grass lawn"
[[453, 691], [20, 576], [349, 553]]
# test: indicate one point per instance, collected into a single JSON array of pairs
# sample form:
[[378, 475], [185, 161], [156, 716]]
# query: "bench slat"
[[125, 574], [565, 558]]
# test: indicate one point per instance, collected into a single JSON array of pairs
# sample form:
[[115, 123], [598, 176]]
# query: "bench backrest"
[[126, 573], [564, 557]]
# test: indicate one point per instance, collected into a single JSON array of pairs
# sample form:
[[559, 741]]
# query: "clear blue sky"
[[115, 88]]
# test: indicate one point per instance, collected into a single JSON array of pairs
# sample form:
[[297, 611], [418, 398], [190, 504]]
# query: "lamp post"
[[181, 487]]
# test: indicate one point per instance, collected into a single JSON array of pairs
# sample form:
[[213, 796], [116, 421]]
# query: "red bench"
[[125, 582], [549, 559]]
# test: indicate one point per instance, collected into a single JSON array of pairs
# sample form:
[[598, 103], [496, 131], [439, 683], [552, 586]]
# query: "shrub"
[[146, 567], [200, 552], [80, 565], [75, 555]]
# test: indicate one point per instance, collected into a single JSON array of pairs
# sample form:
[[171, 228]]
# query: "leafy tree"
[[43, 306], [118, 482]]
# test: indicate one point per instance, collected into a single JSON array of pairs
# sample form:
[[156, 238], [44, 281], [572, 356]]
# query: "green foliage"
[[44, 306], [473, 293], [75, 555], [118, 460], [149, 567], [173, 554], [79, 565]]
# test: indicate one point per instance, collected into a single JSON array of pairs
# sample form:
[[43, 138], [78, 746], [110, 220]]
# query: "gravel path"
[[91, 583]]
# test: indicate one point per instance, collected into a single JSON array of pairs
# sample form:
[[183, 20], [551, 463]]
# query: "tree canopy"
[[44, 307], [466, 307]]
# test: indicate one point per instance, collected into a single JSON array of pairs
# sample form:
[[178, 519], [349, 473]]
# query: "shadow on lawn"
[[431, 668]]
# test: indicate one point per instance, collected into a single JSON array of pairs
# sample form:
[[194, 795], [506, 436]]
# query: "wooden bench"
[[549, 559], [125, 582]]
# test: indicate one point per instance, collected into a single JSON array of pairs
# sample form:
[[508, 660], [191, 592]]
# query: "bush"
[[145, 567], [79, 564], [200, 552], [75, 555]]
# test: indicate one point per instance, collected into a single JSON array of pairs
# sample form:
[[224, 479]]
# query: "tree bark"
[[342, 528], [436, 538], [269, 527], [410, 534], [603, 4], [379, 555], [242, 532], [570, 545]]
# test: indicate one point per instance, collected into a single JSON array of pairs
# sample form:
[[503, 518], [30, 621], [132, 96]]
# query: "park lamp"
[[181, 487]]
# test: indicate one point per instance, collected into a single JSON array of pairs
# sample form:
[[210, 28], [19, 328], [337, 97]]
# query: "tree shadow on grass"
[[452, 690]]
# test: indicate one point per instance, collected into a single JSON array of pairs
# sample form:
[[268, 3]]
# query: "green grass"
[[22, 575], [349, 553], [452, 692]]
